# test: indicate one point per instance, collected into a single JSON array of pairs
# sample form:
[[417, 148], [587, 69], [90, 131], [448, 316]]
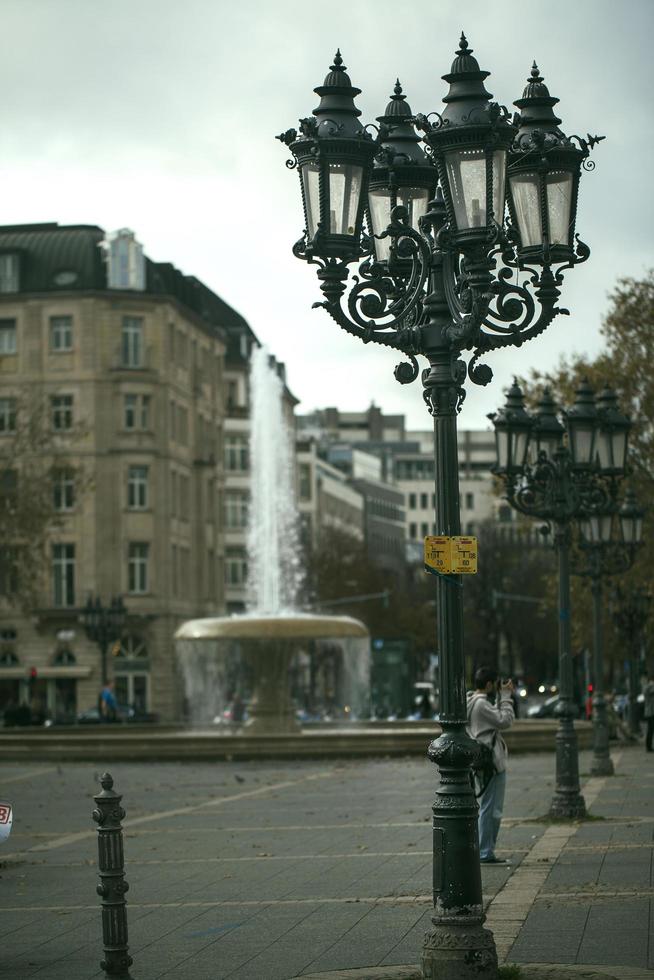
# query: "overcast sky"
[[160, 116]]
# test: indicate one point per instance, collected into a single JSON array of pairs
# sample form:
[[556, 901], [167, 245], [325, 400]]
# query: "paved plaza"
[[267, 871]]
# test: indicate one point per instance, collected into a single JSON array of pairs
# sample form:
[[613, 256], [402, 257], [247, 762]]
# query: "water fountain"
[[225, 660]]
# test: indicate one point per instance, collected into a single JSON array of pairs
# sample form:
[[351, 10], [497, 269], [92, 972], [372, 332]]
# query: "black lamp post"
[[605, 556], [103, 625], [436, 291], [630, 611], [570, 475]]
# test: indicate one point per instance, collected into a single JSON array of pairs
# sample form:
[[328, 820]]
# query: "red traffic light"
[[590, 688], [33, 673]]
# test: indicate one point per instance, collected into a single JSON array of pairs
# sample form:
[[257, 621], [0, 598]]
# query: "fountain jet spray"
[[274, 566]]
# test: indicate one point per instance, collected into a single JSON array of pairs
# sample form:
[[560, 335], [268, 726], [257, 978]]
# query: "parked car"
[[543, 710], [125, 713]]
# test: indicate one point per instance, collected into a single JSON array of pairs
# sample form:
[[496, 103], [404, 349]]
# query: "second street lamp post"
[[630, 612], [605, 556], [560, 482], [103, 625], [429, 285]]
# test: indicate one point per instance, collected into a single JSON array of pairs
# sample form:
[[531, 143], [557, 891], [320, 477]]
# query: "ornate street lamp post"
[[429, 285], [103, 625], [605, 556], [571, 473], [630, 612]]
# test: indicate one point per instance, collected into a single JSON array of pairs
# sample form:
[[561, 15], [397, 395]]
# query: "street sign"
[[464, 555], [6, 819], [438, 554], [450, 555]]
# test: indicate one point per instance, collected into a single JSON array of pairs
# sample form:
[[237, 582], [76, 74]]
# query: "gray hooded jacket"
[[485, 719]]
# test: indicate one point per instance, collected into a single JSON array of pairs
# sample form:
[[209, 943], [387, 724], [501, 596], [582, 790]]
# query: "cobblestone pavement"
[[264, 871]]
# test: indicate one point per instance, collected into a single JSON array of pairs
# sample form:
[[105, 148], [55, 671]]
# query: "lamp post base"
[[459, 953], [568, 806], [602, 765]]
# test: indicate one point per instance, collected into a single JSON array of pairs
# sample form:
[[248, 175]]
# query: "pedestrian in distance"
[[648, 691], [107, 704], [485, 722]]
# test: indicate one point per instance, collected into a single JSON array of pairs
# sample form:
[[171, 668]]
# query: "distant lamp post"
[[443, 272], [606, 556], [560, 481], [630, 609], [103, 625]]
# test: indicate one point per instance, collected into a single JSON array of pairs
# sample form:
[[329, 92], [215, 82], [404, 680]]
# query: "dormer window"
[[9, 280], [125, 260]]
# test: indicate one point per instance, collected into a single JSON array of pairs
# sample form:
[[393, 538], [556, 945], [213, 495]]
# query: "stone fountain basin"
[[294, 626]]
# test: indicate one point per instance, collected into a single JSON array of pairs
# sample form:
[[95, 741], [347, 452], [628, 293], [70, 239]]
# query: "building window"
[[236, 454], [505, 514], [137, 568], [232, 395], [61, 408], [132, 342], [7, 336], [182, 425], [64, 658], [9, 273], [174, 581], [413, 531], [236, 510], [185, 572], [471, 527], [304, 479], [63, 489], [424, 530], [184, 497], [424, 501], [137, 487], [412, 501], [132, 667], [7, 415], [126, 263], [61, 333], [470, 501], [63, 574], [8, 573], [236, 569], [136, 411]]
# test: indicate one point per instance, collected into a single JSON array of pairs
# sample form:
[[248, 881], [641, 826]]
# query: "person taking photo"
[[485, 722]]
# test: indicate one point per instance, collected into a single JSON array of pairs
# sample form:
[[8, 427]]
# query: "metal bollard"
[[112, 887]]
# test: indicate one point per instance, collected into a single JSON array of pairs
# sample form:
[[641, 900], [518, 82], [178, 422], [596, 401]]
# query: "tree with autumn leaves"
[[625, 365]]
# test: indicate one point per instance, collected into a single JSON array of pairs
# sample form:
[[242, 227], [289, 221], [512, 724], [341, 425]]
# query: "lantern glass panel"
[[311, 186], [415, 201], [345, 181], [548, 443], [502, 448], [520, 445], [559, 202], [587, 529], [629, 528], [466, 171], [605, 450], [526, 202], [619, 447], [605, 527], [582, 444], [379, 202]]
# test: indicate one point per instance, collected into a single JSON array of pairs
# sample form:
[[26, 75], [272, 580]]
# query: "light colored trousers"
[[491, 806]]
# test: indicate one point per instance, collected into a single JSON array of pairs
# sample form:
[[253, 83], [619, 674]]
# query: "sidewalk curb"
[[528, 971]]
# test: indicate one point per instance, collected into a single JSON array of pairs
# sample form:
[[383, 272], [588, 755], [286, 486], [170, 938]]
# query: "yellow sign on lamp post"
[[451, 555]]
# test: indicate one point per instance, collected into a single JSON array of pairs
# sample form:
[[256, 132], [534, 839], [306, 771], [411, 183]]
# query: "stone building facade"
[[127, 356]]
